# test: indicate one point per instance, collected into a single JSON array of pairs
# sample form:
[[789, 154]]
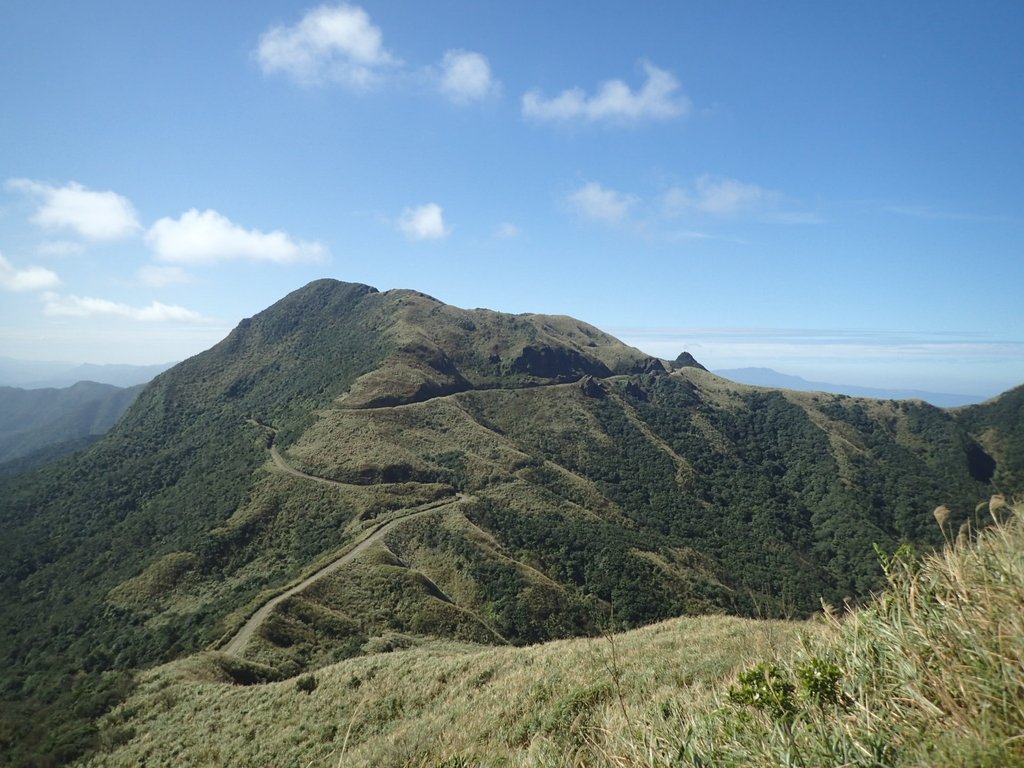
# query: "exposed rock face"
[[560, 364], [650, 365], [635, 390], [591, 388], [686, 360]]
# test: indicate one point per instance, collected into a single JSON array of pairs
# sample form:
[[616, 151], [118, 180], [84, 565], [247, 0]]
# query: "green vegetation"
[[503, 479], [998, 426], [929, 672]]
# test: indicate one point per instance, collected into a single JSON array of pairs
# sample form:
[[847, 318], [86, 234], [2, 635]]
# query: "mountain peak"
[[686, 360]]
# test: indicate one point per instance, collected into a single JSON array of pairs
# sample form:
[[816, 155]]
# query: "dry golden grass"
[[464, 704]]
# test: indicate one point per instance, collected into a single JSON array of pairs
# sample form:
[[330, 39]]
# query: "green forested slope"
[[999, 427]]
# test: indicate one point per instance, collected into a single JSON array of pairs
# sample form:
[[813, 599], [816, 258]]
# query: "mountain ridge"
[[599, 484], [32, 374], [40, 420]]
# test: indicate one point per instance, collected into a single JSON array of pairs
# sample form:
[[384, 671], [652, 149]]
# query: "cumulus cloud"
[[94, 215], [716, 195], [425, 222], [161, 277], [465, 76], [657, 99], [329, 44], [596, 202], [28, 279], [84, 306], [206, 237]]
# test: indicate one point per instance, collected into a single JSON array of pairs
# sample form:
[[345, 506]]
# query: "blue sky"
[[833, 190]]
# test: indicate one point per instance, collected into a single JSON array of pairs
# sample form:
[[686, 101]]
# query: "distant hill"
[[766, 377], [33, 374], [48, 422], [352, 471]]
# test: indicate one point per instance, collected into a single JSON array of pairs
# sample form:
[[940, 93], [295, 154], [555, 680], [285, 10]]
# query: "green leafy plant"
[[306, 684], [767, 688], [821, 682]]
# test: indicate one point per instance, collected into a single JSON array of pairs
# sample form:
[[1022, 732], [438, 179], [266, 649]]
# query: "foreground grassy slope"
[[505, 706], [931, 672]]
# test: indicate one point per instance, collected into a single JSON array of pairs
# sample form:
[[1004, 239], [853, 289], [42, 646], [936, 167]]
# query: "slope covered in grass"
[[929, 673], [428, 705]]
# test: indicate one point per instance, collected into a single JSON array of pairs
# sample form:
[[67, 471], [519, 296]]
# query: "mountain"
[[766, 377], [33, 374], [38, 424], [352, 471]]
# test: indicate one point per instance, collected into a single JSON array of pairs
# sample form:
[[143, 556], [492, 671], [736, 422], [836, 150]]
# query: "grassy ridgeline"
[[438, 704], [928, 674]]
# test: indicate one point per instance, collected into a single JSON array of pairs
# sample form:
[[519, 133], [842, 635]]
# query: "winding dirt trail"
[[236, 645], [284, 466]]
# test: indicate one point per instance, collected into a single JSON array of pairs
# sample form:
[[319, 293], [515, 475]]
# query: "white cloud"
[[206, 237], [657, 99], [161, 277], [329, 44], [84, 306], [425, 222], [465, 76], [507, 230], [95, 215], [28, 279], [596, 202], [716, 195]]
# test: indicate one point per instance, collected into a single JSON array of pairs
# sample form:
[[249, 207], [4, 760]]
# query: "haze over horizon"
[[828, 191]]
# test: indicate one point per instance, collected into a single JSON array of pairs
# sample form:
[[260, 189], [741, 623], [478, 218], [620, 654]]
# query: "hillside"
[[440, 474], [44, 420], [929, 673]]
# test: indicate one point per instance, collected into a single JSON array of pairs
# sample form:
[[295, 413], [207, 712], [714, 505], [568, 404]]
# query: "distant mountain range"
[[37, 425], [766, 377], [37, 374]]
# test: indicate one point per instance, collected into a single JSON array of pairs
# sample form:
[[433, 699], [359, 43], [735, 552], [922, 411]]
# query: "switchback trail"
[[283, 465], [237, 644]]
